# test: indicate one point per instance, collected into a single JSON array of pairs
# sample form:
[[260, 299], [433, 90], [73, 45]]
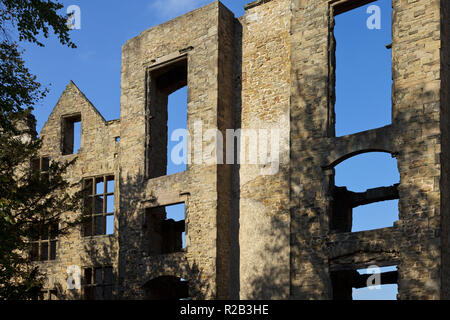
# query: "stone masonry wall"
[[201, 32], [97, 157], [414, 243], [264, 198], [254, 233]]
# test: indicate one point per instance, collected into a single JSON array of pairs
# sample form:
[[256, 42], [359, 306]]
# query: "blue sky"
[[363, 102], [95, 65], [363, 71], [363, 83]]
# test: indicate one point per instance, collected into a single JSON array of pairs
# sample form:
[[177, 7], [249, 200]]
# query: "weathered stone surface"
[[254, 236]]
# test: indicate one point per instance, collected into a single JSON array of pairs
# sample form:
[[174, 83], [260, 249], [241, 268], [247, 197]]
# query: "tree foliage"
[[30, 201], [34, 17]]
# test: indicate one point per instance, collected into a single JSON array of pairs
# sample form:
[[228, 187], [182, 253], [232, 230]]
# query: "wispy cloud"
[[86, 55], [168, 9]]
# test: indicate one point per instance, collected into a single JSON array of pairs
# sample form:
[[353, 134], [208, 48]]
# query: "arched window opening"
[[365, 193]]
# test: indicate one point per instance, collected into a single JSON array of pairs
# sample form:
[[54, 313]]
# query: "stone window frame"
[[47, 295], [157, 66], [104, 214], [147, 219], [168, 200], [374, 195], [41, 164], [67, 123], [92, 281], [45, 242], [336, 7], [359, 281]]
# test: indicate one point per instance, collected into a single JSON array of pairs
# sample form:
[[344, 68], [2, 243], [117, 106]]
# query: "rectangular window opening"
[[41, 165], [360, 66], [99, 186], [43, 245], [167, 113], [374, 283], [71, 134], [110, 225], [375, 216], [98, 283], [48, 295], [99, 206], [165, 229], [362, 211], [110, 184]]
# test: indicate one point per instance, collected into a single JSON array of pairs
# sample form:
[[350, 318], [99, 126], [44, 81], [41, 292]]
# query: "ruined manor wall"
[[309, 183], [417, 111], [414, 138], [97, 157], [264, 197], [198, 36], [261, 228]]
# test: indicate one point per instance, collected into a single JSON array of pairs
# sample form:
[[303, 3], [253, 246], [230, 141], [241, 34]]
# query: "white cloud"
[[168, 9]]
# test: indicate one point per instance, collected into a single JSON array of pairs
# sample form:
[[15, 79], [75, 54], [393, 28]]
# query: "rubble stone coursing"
[[254, 236]]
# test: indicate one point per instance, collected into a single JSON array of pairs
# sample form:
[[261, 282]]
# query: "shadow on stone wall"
[[136, 266]]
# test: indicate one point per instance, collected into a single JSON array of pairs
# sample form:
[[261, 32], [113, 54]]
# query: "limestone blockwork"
[[250, 233]]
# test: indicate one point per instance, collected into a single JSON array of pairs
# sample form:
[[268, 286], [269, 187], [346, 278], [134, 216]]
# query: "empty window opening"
[[368, 216], [386, 291], [41, 166], [165, 229], [43, 245], [98, 283], [71, 134], [167, 288], [48, 295], [167, 112], [177, 119], [358, 204], [361, 66], [365, 284], [99, 206]]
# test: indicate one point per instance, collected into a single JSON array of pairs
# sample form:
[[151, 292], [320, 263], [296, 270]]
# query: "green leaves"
[[33, 17], [29, 199], [8, 219], [19, 90]]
